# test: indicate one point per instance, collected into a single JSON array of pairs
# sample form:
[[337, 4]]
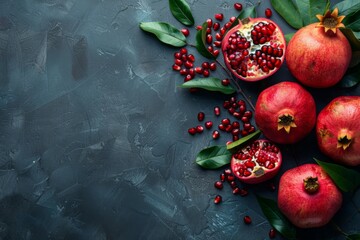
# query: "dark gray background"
[[93, 129]]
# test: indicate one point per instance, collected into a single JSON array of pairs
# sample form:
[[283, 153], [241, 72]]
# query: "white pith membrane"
[[255, 159], [253, 68]]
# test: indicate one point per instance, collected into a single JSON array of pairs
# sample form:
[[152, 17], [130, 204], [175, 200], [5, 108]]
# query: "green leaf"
[[346, 179], [355, 236], [355, 59], [244, 140], [247, 12], [353, 22], [351, 78], [348, 8], [180, 9], [288, 37], [213, 157], [210, 84], [201, 42], [353, 40], [165, 32], [309, 8], [288, 10], [276, 218]]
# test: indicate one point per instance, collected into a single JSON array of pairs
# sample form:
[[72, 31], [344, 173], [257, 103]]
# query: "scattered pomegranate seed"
[[191, 58], [199, 129], [243, 192], [199, 27], [247, 219], [184, 71], [183, 51], [219, 16], [217, 199], [216, 26], [238, 6], [215, 134], [201, 116], [225, 82], [227, 172], [232, 19], [206, 73], [185, 31], [205, 65], [230, 178], [209, 39], [177, 55], [176, 67], [212, 66], [233, 184], [236, 191], [268, 13], [188, 77], [192, 131], [216, 52], [208, 124], [218, 185], [225, 121], [222, 177], [217, 111], [198, 70], [209, 22], [272, 233]]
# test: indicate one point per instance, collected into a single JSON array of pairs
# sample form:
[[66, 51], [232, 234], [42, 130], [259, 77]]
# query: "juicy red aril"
[[199, 129], [188, 77], [230, 178], [176, 67], [236, 191], [238, 6], [248, 114], [212, 66], [272, 233], [228, 128], [216, 26], [184, 71], [191, 58], [177, 55], [227, 172], [217, 111], [244, 133], [243, 192], [215, 134], [247, 219], [225, 82], [217, 199], [245, 119], [222, 177], [225, 121], [235, 124], [235, 132], [178, 62], [209, 22], [235, 137], [198, 70], [216, 52], [209, 39], [183, 51], [247, 126], [218, 185], [185, 31], [206, 73], [201, 116], [232, 19], [199, 27], [188, 64], [208, 124], [268, 13], [221, 127], [233, 184], [192, 131], [219, 16]]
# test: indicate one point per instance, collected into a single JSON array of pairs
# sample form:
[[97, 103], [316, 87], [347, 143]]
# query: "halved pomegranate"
[[254, 49], [256, 162]]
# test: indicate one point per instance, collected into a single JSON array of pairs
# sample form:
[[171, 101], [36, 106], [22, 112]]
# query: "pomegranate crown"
[[330, 20]]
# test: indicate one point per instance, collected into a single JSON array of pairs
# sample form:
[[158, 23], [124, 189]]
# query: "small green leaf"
[[353, 22], [201, 42], [346, 179], [213, 157], [353, 40], [210, 84], [348, 8], [276, 218], [165, 32], [355, 236], [351, 78], [247, 12], [181, 11], [288, 10], [244, 140], [288, 37], [309, 8]]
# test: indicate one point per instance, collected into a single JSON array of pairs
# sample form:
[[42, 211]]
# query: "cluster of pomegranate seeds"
[[184, 63]]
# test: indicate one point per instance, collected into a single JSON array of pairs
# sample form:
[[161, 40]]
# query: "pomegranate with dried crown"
[[254, 49], [338, 130], [257, 162], [319, 54], [308, 197], [285, 112]]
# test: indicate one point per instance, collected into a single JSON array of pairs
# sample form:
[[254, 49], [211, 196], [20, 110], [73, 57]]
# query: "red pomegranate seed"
[[219, 16], [184, 71], [247, 126], [209, 39], [199, 27], [185, 31], [188, 64], [225, 121], [192, 131], [192, 72], [178, 62], [235, 124], [243, 192], [191, 58], [232, 19], [227, 172], [209, 22], [268, 13], [230, 178], [216, 26], [233, 184], [236, 191], [217, 199], [235, 137], [218, 185], [208, 30], [208, 124], [188, 77], [199, 129], [225, 82], [217, 111], [221, 127], [212, 66], [235, 132], [176, 67], [236, 114], [247, 219], [244, 133], [201, 116], [238, 6], [222, 177], [177, 55], [198, 70], [216, 52], [205, 65], [183, 51], [248, 114], [245, 119], [218, 36], [272, 233], [206, 73], [215, 134]]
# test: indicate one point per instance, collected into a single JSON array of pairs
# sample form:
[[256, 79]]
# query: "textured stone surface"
[[93, 129]]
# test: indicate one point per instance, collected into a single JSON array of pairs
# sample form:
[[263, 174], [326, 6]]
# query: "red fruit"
[[217, 199], [245, 49], [238, 6], [218, 185], [208, 124], [217, 111], [285, 112], [201, 116], [268, 13], [185, 31], [225, 82], [192, 131], [215, 134], [256, 162], [308, 197], [247, 219], [219, 16], [338, 130], [199, 129], [272, 233], [319, 57]]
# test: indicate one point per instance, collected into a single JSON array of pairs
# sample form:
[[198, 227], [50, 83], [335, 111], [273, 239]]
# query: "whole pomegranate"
[[285, 112], [318, 55], [308, 197], [254, 49], [257, 162], [338, 130]]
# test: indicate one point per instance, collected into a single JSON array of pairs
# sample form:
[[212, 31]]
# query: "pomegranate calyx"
[[286, 121], [311, 185], [344, 139], [330, 21], [259, 171]]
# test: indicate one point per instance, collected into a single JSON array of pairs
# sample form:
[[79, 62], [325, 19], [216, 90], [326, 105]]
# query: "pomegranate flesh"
[[318, 55], [338, 130], [254, 49], [257, 162], [285, 112], [308, 197]]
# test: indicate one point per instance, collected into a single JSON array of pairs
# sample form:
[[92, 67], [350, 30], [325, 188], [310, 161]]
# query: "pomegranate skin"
[[281, 99], [303, 209], [318, 59], [340, 116]]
